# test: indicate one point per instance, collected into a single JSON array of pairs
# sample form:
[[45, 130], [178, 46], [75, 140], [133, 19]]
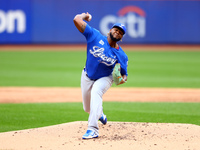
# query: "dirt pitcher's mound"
[[114, 135]]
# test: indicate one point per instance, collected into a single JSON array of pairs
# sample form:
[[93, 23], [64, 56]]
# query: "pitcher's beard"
[[114, 39]]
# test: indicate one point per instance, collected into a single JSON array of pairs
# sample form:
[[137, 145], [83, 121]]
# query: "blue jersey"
[[101, 57]]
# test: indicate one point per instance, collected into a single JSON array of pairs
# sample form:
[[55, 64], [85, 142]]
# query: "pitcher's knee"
[[86, 110], [96, 92]]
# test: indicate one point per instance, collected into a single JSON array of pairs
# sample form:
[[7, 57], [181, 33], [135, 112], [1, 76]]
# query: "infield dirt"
[[52, 94]]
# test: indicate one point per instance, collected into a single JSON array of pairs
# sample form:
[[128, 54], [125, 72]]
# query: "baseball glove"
[[117, 77]]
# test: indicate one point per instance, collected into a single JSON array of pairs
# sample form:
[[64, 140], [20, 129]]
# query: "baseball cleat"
[[89, 135], [103, 119]]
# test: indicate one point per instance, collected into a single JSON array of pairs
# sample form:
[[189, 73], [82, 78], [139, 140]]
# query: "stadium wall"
[[147, 22]]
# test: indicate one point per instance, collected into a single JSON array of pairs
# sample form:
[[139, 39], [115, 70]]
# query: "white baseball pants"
[[92, 92]]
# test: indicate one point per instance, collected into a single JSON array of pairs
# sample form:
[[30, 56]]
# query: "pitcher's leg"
[[98, 89], [86, 86]]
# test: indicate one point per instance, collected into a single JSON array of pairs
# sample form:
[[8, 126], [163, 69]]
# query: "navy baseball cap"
[[121, 26]]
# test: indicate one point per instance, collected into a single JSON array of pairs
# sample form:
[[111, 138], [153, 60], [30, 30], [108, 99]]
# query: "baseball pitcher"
[[106, 63]]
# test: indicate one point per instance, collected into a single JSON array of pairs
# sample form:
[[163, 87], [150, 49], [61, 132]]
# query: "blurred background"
[[165, 23], [147, 21]]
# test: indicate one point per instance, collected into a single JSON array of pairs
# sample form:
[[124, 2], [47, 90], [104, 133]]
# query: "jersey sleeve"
[[90, 33], [124, 65]]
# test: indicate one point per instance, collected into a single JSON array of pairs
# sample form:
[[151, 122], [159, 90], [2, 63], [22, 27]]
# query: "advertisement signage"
[[15, 21], [147, 22]]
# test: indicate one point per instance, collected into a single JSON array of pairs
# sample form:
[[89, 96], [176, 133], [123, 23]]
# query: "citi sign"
[[131, 16], [12, 20]]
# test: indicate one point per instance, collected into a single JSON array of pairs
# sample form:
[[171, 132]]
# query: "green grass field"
[[177, 69], [25, 116], [63, 69]]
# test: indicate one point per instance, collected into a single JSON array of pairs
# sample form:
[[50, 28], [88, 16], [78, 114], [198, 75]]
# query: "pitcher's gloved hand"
[[117, 77]]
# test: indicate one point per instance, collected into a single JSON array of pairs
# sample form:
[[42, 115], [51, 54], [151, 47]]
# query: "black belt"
[[88, 76]]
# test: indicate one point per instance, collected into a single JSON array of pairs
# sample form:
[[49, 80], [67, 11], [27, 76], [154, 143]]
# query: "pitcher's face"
[[116, 34]]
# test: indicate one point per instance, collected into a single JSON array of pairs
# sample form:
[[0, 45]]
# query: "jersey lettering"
[[98, 52]]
